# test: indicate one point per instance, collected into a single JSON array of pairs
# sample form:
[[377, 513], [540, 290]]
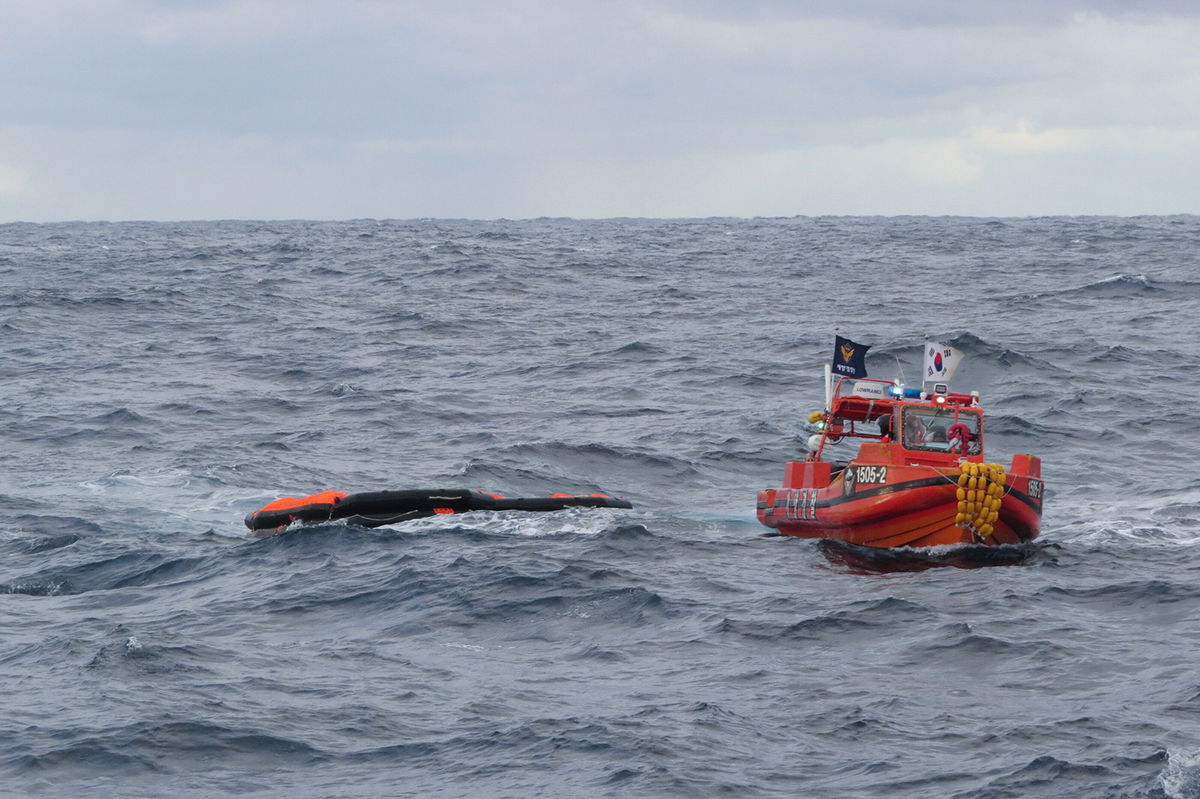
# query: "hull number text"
[[869, 475]]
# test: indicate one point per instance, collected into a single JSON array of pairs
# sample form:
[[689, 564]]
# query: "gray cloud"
[[266, 108], [937, 13]]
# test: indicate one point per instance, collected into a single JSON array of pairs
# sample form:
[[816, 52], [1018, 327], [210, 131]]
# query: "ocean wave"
[[154, 646], [1124, 286], [1050, 776], [51, 528], [863, 618], [978, 353], [966, 645], [157, 747], [1131, 593], [46, 586], [569, 468], [47, 543], [100, 571], [124, 651], [475, 588]]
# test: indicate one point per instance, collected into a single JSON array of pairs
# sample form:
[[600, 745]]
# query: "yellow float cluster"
[[980, 492], [816, 416]]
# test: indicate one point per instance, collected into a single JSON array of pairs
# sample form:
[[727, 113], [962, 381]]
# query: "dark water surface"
[[162, 380]]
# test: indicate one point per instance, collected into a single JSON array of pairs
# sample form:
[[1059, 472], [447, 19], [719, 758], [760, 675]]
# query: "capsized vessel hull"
[[378, 508]]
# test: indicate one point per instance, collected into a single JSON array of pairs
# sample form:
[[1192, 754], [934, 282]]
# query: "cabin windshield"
[[931, 429]]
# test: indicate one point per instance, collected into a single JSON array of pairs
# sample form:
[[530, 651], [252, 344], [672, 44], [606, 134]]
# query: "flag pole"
[[829, 376], [924, 355]]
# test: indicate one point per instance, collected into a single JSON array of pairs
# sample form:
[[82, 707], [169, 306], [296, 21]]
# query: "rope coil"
[[980, 492]]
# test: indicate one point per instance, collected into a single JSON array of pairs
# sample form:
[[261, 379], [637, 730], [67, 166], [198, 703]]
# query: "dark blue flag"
[[848, 358]]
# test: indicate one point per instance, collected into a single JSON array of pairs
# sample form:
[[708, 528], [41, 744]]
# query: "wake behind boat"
[[920, 477]]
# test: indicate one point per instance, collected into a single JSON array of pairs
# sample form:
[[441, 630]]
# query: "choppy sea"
[[161, 380]]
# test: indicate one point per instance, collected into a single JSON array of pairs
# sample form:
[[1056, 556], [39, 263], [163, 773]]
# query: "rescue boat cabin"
[[935, 428]]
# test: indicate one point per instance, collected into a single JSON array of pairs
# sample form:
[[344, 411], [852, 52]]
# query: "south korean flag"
[[940, 362]]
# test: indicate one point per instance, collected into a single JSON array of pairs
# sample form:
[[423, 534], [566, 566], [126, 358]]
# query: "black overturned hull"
[[378, 508]]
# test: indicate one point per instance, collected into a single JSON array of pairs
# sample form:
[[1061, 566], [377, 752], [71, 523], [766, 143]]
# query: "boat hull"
[[909, 506], [378, 508]]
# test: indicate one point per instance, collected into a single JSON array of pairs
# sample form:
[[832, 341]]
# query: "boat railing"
[[866, 400]]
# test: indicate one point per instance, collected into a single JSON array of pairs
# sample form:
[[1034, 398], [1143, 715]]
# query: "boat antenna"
[[900, 368]]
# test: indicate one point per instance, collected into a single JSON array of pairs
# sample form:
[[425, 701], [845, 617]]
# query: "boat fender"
[[980, 493]]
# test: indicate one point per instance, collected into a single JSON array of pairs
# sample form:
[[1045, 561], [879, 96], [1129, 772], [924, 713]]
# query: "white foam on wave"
[[1139, 278], [169, 493], [1180, 779], [588, 522], [114, 482], [1169, 519], [1102, 532], [178, 498]]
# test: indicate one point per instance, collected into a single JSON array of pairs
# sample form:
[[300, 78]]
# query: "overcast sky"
[[269, 109]]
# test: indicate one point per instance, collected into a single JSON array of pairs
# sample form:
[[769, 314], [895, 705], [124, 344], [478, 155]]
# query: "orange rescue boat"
[[919, 480]]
